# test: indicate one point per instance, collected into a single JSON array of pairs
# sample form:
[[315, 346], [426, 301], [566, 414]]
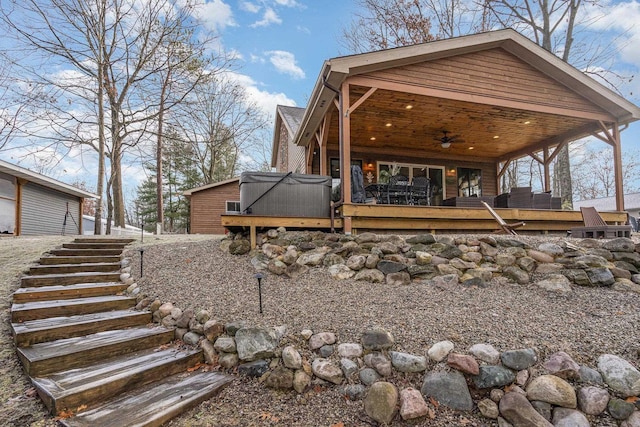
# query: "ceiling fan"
[[446, 140]]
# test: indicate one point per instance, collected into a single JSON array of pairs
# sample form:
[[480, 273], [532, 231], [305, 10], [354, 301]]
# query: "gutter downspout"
[[340, 150]]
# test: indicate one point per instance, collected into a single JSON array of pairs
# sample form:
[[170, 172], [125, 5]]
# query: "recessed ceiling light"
[[388, 125], [409, 107], [373, 138], [471, 148], [527, 122], [496, 137]]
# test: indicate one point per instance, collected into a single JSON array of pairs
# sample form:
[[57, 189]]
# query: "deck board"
[[156, 404]]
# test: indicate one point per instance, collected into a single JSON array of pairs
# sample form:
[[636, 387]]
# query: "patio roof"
[[498, 127]]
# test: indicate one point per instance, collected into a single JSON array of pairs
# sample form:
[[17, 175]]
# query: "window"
[[434, 173], [7, 204], [469, 182], [232, 206]]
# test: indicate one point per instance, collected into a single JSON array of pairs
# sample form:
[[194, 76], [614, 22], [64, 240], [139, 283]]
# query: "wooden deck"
[[415, 219]]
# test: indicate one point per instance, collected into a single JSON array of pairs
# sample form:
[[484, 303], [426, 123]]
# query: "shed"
[[208, 203], [34, 204]]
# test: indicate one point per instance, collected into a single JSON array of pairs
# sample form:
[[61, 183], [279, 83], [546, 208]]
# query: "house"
[[88, 225], [34, 204], [456, 111], [208, 203], [608, 204]]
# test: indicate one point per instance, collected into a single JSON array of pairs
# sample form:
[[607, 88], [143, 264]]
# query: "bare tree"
[[221, 124], [113, 46]]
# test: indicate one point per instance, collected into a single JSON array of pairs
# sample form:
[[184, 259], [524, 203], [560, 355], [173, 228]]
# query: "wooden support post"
[[346, 223], [617, 164], [547, 174], [252, 236], [345, 164]]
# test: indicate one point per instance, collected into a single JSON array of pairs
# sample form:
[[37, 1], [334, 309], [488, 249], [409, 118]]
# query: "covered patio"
[[455, 113]]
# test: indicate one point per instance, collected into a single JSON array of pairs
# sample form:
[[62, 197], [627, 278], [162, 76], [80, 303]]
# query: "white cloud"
[[256, 59], [266, 101], [248, 6], [303, 29], [285, 63], [288, 3], [270, 17], [215, 15]]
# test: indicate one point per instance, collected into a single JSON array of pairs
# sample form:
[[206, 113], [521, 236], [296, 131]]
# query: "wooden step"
[[96, 267], [85, 252], [56, 260], [76, 245], [80, 290], [120, 240], [21, 312], [97, 383], [68, 279], [155, 404], [56, 328], [61, 355]]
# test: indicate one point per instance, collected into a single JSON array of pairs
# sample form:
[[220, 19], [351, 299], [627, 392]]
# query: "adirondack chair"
[[504, 226], [596, 228]]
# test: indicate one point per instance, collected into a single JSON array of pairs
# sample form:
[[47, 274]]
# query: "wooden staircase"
[[94, 360]]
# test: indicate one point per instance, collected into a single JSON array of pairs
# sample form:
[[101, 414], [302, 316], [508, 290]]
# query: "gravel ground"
[[585, 324], [191, 271]]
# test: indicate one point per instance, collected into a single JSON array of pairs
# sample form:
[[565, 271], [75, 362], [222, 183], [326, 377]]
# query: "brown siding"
[[208, 205], [494, 73]]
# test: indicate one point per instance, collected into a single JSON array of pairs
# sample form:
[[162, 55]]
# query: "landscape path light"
[[260, 276]]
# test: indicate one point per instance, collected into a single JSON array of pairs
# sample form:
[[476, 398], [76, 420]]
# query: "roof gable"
[[212, 185]]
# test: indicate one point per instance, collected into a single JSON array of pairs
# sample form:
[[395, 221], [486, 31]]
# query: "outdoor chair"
[[504, 226], [420, 191], [397, 192], [596, 228]]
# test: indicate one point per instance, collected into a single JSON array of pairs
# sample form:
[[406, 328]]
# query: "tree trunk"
[[159, 200]]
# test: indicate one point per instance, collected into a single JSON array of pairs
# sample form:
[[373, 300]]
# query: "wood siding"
[[494, 73], [282, 160], [47, 211], [207, 206]]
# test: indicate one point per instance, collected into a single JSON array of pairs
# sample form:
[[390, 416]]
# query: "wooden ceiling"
[[483, 131]]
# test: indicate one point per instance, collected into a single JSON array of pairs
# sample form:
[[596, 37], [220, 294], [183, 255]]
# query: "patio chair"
[[397, 191], [504, 226], [596, 228], [420, 194]]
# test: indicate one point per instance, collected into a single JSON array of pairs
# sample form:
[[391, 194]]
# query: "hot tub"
[[281, 194]]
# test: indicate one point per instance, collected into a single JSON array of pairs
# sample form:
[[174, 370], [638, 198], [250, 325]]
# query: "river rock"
[[377, 339], [519, 359], [228, 360], [256, 368], [255, 343], [349, 350], [322, 338], [562, 365], [620, 375], [341, 272], [600, 276], [239, 247], [620, 409], [588, 375], [449, 389], [593, 400], [485, 352], [291, 357], [565, 417], [463, 363], [370, 275], [296, 270], [356, 262], [552, 389], [632, 421], [327, 370], [556, 283], [489, 409], [493, 376], [516, 409], [280, 378], [348, 366], [405, 362], [379, 362], [301, 380], [225, 345], [380, 402], [412, 404], [440, 350], [368, 376], [516, 274]]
